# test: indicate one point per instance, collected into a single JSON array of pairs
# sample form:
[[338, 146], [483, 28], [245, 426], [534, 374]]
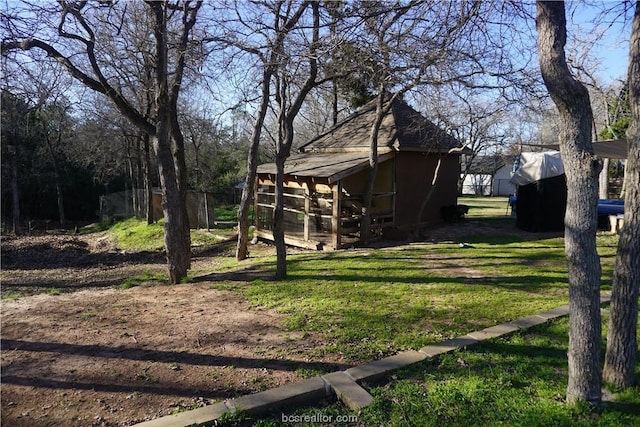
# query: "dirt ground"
[[79, 351], [97, 355]]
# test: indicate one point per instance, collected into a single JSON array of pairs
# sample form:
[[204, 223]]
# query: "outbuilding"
[[325, 182]]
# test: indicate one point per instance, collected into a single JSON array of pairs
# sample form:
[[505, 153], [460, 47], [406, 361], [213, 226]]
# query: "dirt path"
[[106, 356]]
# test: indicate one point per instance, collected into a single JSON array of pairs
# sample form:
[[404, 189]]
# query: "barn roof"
[[403, 129], [344, 149], [330, 166]]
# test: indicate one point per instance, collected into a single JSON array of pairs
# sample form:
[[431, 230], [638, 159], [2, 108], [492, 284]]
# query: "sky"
[[612, 47]]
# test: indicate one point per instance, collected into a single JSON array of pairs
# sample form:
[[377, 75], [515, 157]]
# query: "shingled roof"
[[344, 149], [402, 129], [487, 165]]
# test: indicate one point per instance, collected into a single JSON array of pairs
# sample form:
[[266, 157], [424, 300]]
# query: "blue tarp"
[[610, 207]]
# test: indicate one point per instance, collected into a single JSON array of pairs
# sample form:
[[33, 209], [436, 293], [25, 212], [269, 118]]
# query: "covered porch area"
[[323, 197]]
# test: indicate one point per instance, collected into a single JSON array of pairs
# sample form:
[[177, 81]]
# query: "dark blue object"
[[610, 207]]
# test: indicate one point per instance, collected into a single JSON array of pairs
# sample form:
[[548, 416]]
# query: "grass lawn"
[[371, 303], [485, 206], [519, 380]]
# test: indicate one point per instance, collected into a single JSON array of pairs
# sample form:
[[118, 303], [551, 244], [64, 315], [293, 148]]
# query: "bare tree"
[[472, 119], [75, 41], [404, 50], [54, 120], [622, 347], [16, 132], [275, 22], [582, 168], [288, 107], [48, 115]]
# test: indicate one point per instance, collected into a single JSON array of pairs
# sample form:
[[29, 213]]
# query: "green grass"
[[145, 277], [226, 212], [519, 380], [485, 206], [136, 235], [371, 303]]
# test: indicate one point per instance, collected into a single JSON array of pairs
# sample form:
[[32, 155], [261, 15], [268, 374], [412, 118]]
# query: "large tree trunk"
[[171, 165], [582, 169], [622, 347], [178, 250]]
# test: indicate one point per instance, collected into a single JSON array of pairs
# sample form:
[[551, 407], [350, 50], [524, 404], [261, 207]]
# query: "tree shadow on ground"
[[121, 352], [137, 354]]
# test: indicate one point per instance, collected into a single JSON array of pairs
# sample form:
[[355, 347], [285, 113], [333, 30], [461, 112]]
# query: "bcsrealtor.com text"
[[319, 418]]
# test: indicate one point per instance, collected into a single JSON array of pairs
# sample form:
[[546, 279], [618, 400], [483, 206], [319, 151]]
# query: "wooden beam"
[[307, 203], [336, 235], [292, 241]]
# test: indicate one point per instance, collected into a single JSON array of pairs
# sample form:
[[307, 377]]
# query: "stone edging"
[[345, 384]]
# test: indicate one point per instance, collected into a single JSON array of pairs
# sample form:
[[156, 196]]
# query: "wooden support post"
[[307, 205], [336, 238]]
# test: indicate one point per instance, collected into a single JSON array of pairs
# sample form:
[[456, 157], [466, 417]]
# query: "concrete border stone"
[[447, 346], [348, 391], [375, 370], [195, 416], [298, 393], [528, 321]]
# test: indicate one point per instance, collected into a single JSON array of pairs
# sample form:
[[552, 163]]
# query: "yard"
[[92, 335]]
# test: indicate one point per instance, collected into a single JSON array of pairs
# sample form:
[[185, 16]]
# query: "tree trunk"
[[59, 198], [334, 102], [167, 149], [178, 251], [15, 191], [604, 180], [278, 220], [365, 220], [148, 184], [183, 230], [56, 180], [582, 169], [622, 347], [139, 173], [242, 250], [132, 177]]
